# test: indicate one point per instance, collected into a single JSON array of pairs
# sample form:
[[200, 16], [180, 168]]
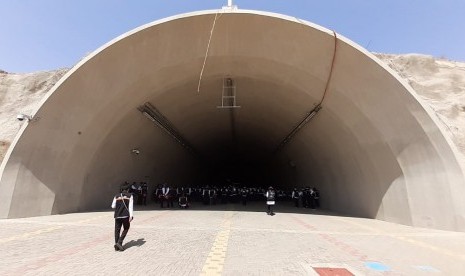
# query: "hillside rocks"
[[441, 84], [21, 93]]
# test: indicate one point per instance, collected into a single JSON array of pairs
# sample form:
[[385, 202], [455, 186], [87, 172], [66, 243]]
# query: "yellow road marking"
[[409, 240], [215, 259]]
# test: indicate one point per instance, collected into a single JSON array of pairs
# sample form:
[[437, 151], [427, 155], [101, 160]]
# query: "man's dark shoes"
[[116, 247], [120, 246]]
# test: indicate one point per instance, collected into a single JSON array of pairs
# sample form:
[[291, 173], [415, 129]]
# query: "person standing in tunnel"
[[312, 199], [316, 196], [123, 205], [244, 193], [306, 198], [295, 197], [171, 197], [133, 191], [270, 200], [205, 195], [166, 196], [157, 193], [139, 193], [144, 193]]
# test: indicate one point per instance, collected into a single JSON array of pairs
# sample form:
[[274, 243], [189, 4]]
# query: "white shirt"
[[130, 207]]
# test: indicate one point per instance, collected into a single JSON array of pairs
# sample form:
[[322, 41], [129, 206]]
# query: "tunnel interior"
[[373, 149], [243, 144], [225, 144]]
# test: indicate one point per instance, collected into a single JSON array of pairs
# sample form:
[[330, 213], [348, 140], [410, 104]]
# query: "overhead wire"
[[208, 49]]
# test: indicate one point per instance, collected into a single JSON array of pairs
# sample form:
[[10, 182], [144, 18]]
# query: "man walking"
[[123, 205]]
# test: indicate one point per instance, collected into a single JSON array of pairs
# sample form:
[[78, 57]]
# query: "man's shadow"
[[137, 243]]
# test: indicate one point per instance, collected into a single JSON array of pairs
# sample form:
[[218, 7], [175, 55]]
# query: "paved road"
[[227, 240]]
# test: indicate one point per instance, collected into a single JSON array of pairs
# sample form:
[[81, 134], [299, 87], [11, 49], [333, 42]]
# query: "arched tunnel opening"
[[309, 108]]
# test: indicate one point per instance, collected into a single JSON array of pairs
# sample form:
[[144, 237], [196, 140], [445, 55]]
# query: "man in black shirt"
[[123, 205]]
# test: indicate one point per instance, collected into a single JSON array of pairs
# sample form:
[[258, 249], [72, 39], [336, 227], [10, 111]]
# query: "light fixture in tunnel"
[[154, 115], [148, 116], [296, 129], [135, 151]]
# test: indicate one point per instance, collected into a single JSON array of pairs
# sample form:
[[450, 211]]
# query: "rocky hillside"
[[21, 93], [440, 83]]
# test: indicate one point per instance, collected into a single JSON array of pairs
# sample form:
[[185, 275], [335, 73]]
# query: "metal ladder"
[[228, 97]]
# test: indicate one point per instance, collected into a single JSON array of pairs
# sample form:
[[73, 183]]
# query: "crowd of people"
[[211, 195], [306, 197], [168, 197]]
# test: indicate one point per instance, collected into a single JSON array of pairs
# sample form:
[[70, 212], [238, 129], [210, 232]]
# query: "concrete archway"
[[373, 149]]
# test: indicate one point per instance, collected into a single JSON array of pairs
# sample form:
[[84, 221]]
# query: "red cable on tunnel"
[[331, 69]]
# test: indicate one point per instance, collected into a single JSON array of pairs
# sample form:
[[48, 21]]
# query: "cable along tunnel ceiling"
[[373, 149]]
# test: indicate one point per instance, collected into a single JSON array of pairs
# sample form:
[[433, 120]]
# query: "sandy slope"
[[20, 93], [440, 83]]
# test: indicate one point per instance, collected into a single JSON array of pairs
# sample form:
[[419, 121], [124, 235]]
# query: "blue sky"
[[49, 34]]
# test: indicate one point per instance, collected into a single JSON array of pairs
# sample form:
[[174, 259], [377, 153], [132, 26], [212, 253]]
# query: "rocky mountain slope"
[[439, 82], [21, 93]]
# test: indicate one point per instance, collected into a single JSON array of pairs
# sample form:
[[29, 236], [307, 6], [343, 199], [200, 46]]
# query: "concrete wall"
[[373, 150]]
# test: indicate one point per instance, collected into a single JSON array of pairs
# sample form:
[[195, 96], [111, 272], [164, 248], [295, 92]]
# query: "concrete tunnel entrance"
[[373, 149]]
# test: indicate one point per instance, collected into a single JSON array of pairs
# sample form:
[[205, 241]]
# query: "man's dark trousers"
[[118, 223]]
